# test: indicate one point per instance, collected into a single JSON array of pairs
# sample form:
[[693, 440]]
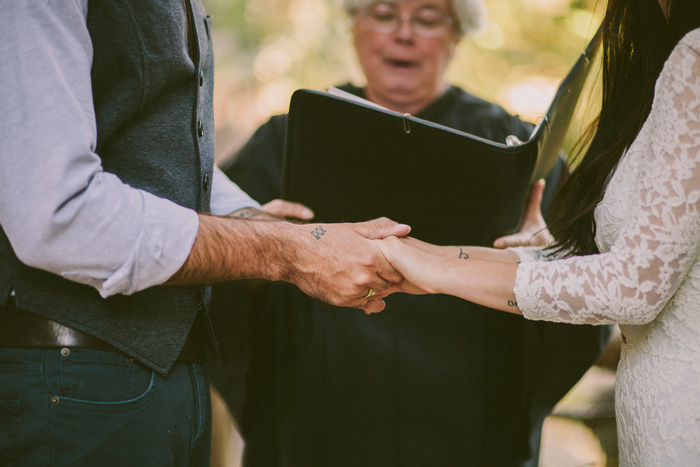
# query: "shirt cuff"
[[163, 245]]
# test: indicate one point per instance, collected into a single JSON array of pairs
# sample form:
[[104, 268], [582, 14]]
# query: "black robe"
[[430, 381]]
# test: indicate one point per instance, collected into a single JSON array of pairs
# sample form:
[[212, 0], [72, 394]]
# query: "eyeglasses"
[[385, 18]]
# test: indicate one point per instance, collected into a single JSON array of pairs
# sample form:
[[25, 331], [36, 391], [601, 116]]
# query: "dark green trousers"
[[79, 407]]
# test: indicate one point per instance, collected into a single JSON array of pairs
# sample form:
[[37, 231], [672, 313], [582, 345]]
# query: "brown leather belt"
[[21, 329]]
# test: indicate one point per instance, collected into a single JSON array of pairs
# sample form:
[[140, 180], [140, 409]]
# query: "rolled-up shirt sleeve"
[[60, 211]]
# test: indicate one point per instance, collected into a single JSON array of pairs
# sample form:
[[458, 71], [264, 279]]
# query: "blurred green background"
[[266, 49]]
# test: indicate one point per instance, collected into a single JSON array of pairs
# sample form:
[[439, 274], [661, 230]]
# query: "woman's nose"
[[405, 28]]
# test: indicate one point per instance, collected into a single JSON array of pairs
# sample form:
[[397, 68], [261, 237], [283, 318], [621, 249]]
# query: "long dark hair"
[[637, 40]]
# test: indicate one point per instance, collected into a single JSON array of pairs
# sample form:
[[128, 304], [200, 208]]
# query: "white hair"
[[471, 15]]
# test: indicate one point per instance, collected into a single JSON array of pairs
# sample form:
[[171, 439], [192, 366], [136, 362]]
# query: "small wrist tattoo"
[[512, 303], [247, 213], [318, 232], [463, 254]]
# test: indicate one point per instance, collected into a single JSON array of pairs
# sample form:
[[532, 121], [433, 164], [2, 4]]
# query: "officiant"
[[431, 380]]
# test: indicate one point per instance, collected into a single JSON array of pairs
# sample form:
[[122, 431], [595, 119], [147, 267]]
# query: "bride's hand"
[[412, 260]]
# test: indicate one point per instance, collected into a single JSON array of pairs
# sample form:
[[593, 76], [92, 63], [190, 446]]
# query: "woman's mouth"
[[401, 64]]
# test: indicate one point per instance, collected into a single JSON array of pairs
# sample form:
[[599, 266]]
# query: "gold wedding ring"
[[371, 292]]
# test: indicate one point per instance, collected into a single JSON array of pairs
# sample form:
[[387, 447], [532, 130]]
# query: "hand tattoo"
[[318, 232]]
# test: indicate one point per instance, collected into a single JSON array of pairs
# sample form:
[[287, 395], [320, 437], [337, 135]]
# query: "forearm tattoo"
[[512, 303], [247, 213], [463, 254], [318, 232]]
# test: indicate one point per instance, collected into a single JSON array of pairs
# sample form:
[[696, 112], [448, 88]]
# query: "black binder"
[[352, 161]]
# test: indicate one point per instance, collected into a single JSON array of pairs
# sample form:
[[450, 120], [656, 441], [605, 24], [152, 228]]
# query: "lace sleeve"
[[659, 241]]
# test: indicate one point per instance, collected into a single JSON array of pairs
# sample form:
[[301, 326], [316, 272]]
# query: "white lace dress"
[[647, 278]]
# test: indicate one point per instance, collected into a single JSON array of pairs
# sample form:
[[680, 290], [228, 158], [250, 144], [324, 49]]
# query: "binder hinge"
[[406, 123], [512, 140]]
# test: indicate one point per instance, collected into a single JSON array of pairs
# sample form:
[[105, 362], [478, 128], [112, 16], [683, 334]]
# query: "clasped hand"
[[346, 261], [423, 266], [340, 263]]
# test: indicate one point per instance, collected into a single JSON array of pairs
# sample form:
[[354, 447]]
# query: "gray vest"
[[155, 128]]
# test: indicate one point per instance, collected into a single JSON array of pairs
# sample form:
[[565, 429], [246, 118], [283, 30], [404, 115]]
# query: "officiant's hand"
[[288, 210], [534, 230]]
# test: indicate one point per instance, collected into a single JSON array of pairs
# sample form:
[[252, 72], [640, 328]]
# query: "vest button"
[[201, 78], [200, 128], [205, 181]]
